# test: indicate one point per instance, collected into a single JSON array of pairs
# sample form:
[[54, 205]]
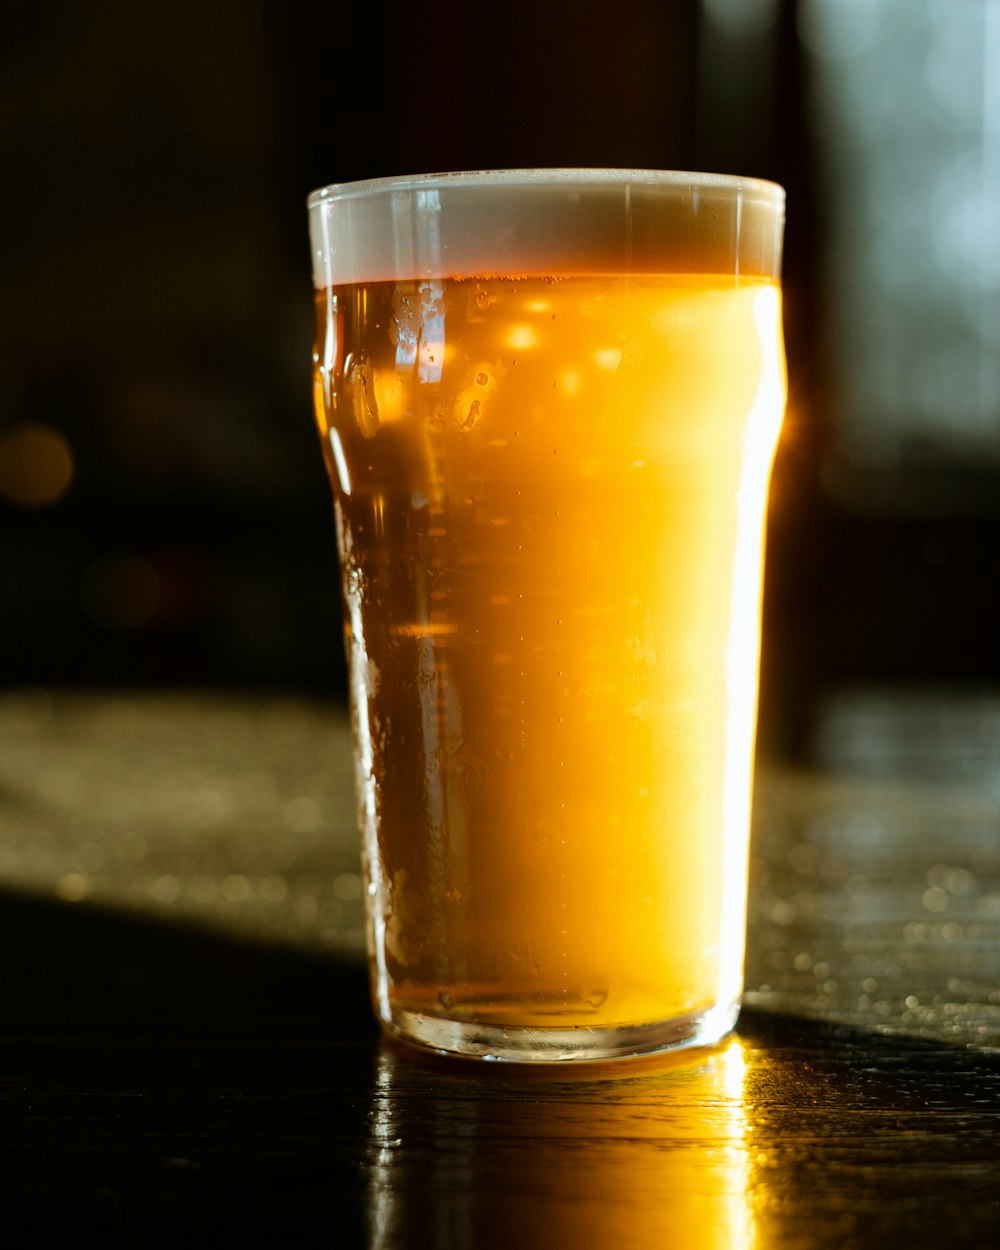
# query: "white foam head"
[[545, 221]]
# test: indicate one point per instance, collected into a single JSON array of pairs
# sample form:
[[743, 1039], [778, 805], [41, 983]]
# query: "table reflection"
[[651, 1154]]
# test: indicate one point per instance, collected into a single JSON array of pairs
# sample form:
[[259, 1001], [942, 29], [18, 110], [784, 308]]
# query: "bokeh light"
[[120, 590], [36, 464]]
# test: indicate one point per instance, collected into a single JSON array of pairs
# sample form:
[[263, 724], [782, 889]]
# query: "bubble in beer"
[[569, 382], [521, 338]]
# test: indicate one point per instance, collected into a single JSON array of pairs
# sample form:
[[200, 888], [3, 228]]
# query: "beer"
[[550, 495]]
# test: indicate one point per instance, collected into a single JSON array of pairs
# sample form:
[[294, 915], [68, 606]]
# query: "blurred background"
[[164, 515]]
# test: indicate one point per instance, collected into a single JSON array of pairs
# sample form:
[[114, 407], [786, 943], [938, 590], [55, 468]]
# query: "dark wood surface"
[[186, 1040]]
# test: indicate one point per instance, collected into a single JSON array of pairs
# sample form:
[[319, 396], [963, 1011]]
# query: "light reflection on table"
[[655, 1156]]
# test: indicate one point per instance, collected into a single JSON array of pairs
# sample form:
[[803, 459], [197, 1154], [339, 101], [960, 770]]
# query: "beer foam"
[[516, 223]]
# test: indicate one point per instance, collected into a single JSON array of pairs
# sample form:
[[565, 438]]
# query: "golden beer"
[[550, 493]]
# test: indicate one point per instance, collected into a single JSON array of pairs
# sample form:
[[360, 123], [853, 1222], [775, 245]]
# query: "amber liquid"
[[550, 497]]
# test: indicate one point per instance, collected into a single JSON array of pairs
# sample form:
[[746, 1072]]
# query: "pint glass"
[[548, 402]]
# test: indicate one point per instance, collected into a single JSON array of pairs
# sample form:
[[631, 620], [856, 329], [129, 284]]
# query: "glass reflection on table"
[[650, 1153]]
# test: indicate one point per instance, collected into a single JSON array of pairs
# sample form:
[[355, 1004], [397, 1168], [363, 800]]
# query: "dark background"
[[164, 514]]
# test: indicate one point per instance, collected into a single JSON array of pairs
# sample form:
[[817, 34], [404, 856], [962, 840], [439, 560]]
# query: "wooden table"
[[187, 1043]]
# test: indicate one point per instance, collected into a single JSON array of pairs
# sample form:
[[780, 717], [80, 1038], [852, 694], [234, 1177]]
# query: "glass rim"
[[761, 189]]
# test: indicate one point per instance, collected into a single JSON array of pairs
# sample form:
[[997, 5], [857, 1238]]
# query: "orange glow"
[[650, 1156], [556, 609], [36, 464]]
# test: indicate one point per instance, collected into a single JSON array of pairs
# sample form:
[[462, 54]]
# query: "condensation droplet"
[[364, 405]]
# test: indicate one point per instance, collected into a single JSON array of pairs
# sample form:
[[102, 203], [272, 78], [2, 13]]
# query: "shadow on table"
[[78, 972], [150, 1069]]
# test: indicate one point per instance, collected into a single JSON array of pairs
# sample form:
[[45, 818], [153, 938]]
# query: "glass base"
[[533, 1044]]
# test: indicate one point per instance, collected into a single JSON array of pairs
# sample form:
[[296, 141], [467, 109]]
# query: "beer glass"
[[548, 402]]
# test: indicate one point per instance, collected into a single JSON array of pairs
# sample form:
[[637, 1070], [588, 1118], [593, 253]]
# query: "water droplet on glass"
[[364, 403]]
